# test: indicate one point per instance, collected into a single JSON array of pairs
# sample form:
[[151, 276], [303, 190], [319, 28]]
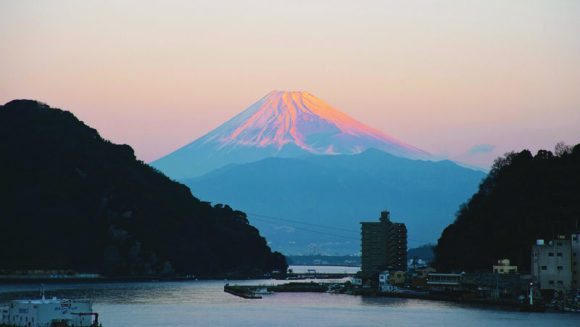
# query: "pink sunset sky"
[[465, 80]]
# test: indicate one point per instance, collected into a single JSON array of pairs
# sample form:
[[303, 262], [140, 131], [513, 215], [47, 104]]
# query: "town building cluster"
[[554, 275]]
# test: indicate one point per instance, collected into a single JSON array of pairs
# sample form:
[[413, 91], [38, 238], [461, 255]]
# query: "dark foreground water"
[[203, 303]]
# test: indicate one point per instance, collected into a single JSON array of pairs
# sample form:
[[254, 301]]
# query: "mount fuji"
[[281, 124], [307, 174]]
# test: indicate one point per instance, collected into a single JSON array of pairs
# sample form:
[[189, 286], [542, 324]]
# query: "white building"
[[4, 314], [46, 312], [575, 242], [384, 282], [552, 264], [384, 278]]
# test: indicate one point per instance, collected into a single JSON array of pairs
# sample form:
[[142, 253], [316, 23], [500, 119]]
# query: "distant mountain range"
[[72, 200], [286, 197], [307, 174]]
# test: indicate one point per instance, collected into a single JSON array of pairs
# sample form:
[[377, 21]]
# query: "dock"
[[241, 291]]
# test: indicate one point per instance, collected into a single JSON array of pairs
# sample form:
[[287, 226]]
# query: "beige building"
[[552, 264], [504, 267], [424, 272]]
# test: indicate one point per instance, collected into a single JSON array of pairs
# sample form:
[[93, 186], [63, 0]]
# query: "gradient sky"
[[467, 80]]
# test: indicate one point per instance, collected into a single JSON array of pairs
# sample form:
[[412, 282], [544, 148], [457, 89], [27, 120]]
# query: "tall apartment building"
[[552, 264], [384, 246]]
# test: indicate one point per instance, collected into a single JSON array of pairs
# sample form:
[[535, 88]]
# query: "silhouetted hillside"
[[70, 199], [524, 198]]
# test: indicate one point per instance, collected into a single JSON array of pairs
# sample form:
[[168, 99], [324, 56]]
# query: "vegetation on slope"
[[72, 200], [523, 198]]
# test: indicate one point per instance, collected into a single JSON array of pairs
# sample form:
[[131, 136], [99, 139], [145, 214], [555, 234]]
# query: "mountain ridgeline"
[[72, 200], [523, 198]]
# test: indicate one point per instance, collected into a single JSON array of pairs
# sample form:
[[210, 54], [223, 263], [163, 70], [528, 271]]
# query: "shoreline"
[[313, 286], [137, 279]]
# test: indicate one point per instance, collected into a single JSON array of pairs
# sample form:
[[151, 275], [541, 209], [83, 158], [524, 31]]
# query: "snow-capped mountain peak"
[[300, 118], [284, 124]]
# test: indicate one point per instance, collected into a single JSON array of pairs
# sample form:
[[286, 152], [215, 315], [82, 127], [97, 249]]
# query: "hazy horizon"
[[465, 80]]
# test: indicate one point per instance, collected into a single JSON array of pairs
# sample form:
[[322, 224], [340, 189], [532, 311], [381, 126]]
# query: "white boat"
[[49, 312]]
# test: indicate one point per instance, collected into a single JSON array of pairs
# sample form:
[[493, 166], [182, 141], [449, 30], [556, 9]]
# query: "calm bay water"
[[203, 303]]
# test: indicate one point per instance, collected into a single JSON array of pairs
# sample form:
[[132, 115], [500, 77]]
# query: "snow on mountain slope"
[[281, 124]]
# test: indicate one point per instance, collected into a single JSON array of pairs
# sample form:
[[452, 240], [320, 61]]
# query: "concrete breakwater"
[[255, 291]]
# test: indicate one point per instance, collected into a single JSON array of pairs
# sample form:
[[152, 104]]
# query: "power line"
[[303, 223], [274, 219], [314, 231]]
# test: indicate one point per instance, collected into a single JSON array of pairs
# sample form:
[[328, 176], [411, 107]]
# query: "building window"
[[559, 254], [544, 268], [551, 254], [559, 243], [560, 282], [560, 268], [551, 282]]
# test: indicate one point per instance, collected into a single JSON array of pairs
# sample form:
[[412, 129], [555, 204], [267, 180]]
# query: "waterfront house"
[[444, 282], [496, 285], [423, 272], [419, 277]]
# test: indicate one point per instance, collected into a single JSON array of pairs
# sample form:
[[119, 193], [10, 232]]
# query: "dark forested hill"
[[524, 198], [70, 199]]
